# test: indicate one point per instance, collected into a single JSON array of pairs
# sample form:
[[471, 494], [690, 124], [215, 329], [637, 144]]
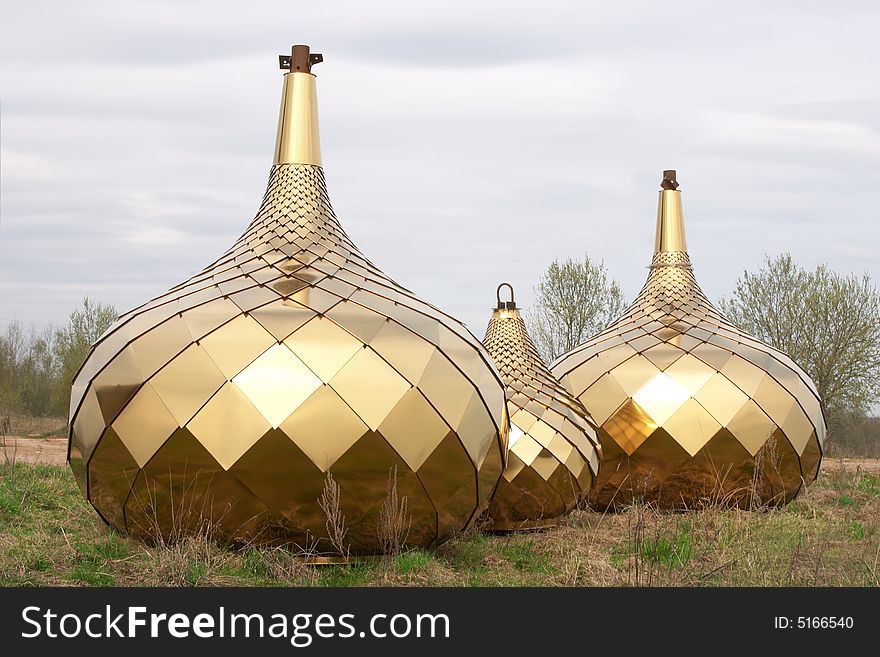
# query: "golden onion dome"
[[553, 450], [691, 408], [229, 399]]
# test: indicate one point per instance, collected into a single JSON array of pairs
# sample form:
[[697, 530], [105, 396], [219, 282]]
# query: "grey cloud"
[[464, 143]]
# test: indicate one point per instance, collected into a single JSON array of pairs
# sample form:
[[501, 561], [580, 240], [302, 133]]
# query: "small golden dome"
[[691, 408], [553, 449]]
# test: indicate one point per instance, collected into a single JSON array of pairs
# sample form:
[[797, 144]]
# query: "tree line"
[[37, 365]]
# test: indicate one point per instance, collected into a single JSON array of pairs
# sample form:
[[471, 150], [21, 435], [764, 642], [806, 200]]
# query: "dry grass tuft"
[[330, 502], [194, 560], [394, 522]]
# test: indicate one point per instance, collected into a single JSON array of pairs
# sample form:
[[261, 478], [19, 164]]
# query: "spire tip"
[[669, 181]]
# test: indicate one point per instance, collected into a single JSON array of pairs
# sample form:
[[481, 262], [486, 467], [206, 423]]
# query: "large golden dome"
[[229, 398], [553, 451], [691, 408]]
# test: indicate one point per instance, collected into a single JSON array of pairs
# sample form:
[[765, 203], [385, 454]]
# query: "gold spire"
[[670, 218], [298, 140]]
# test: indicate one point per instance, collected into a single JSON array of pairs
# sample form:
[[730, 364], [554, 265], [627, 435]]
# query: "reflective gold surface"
[[670, 231], [553, 452], [690, 408], [298, 140], [229, 398]]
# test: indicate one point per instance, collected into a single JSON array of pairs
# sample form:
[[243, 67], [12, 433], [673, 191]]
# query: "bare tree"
[[73, 342], [828, 323], [27, 370], [38, 365], [574, 299], [13, 346]]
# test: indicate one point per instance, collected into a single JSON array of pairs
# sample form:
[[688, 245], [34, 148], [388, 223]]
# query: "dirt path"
[[834, 464], [45, 451], [53, 451]]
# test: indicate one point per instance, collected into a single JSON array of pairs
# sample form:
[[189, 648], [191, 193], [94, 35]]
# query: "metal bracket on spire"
[[669, 181], [299, 59], [505, 305]]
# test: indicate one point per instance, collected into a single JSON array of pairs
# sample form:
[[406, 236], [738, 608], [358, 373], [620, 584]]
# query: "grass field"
[[827, 537]]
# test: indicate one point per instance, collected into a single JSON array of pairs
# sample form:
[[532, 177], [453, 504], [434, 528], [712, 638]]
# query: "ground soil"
[[836, 464], [43, 451]]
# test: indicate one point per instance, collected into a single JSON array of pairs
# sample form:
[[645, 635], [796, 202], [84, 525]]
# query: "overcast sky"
[[465, 143]]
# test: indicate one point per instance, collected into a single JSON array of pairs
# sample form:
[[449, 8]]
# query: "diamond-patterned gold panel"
[[691, 408], [230, 397], [553, 449]]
